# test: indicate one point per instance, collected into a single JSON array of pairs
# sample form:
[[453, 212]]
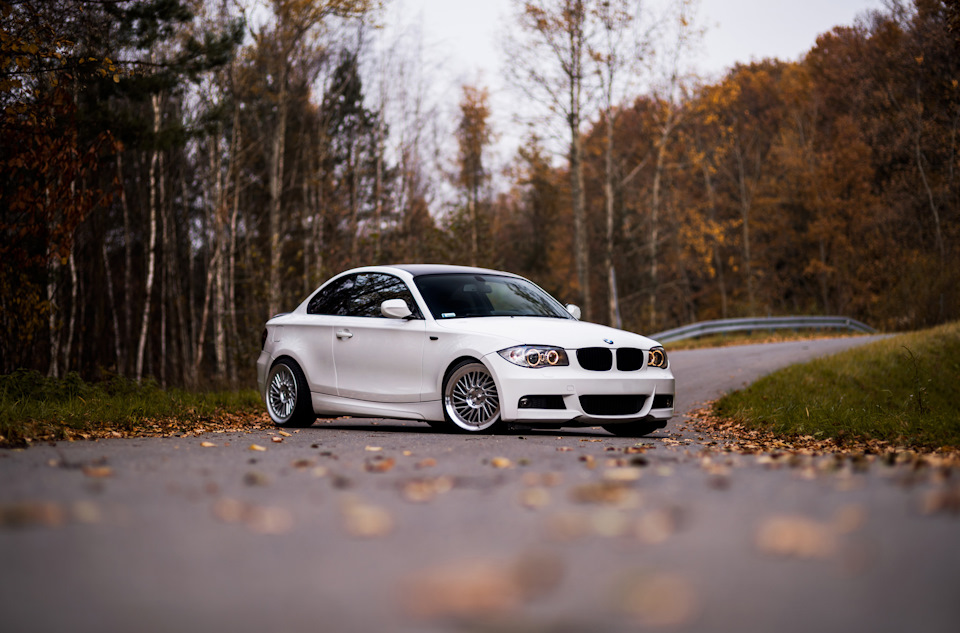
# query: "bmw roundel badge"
[[608, 341]]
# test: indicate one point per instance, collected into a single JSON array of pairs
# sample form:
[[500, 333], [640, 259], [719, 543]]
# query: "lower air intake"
[[612, 405]]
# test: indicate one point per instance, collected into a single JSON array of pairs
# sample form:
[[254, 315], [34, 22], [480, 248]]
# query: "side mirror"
[[395, 309], [574, 310]]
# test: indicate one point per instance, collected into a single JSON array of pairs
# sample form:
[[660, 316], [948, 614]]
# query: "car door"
[[312, 335], [377, 358]]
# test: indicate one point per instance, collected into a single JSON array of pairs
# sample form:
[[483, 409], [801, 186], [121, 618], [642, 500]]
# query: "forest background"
[[174, 172]]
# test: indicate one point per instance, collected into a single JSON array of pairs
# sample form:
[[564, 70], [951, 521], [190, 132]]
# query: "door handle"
[[344, 334]]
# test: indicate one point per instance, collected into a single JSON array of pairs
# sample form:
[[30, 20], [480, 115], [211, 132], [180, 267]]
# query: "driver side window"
[[361, 295]]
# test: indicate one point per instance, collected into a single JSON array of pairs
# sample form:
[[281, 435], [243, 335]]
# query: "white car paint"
[[392, 367]]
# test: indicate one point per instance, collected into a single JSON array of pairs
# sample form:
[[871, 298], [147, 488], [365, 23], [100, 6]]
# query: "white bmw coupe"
[[466, 348]]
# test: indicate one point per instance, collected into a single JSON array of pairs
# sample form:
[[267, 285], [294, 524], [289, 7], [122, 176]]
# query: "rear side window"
[[360, 295]]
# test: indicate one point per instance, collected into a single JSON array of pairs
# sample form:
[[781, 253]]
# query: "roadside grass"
[[901, 390], [34, 407], [751, 338]]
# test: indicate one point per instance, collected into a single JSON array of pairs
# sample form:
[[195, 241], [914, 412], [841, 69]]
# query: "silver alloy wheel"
[[282, 394], [470, 397]]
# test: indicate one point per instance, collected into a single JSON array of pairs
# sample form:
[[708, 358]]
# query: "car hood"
[[565, 333]]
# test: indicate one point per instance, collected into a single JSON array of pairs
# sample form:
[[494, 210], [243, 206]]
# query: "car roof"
[[418, 270]]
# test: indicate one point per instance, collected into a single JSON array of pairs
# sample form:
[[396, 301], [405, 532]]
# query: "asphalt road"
[[360, 525]]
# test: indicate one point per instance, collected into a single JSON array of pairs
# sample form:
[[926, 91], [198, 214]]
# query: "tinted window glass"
[[360, 295], [466, 295]]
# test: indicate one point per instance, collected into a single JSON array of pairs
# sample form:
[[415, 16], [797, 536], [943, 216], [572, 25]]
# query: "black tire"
[[634, 429], [288, 396], [471, 402]]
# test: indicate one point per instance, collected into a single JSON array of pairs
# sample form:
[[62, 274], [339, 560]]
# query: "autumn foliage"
[[170, 175]]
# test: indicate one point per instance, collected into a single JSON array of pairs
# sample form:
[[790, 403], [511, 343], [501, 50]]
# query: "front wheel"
[[288, 397], [470, 398], [634, 429]]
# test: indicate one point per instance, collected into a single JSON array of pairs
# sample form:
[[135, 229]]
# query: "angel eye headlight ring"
[[657, 357], [535, 356]]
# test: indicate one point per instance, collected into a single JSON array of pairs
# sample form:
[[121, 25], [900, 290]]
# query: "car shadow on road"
[[404, 426]]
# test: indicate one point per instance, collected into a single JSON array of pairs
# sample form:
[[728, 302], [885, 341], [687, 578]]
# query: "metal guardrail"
[[722, 326]]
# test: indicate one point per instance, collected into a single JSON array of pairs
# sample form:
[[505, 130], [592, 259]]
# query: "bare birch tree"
[[550, 67]]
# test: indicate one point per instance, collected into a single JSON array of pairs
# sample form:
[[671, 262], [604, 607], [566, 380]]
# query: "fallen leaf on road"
[[627, 473], [363, 520], [207, 444], [31, 513], [284, 433], [946, 500], [425, 490], [534, 498], [379, 464], [86, 512], [568, 526], [849, 519], [658, 600], [473, 588], [796, 537], [255, 478], [256, 447], [608, 523], [259, 519], [501, 462], [657, 526], [269, 520], [373, 449], [303, 464], [548, 480], [609, 492], [98, 472], [429, 462]]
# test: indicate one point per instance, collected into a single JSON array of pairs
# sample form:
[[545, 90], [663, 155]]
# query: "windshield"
[[467, 295]]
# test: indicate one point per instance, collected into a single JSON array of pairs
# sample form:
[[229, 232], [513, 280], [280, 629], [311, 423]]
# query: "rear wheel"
[[288, 397], [470, 399], [634, 429]]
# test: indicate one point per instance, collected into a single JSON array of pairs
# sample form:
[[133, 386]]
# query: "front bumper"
[[652, 389]]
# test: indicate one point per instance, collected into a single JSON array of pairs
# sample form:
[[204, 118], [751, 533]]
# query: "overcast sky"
[[463, 38], [466, 32]]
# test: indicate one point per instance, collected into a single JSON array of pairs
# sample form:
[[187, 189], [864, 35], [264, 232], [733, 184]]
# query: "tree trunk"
[[152, 252], [112, 306], [582, 244], [354, 203], [276, 193], [123, 362], [165, 278], [186, 315], [220, 244], [53, 309], [378, 188], [74, 309], [613, 316], [232, 248], [745, 203], [654, 233], [717, 256], [202, 331]]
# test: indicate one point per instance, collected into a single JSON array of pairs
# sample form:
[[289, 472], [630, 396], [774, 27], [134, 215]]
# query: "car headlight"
[[536, 356], [657, 357]]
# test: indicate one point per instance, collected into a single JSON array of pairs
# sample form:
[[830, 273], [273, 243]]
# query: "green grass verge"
[[35, 406], [904, 389]]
